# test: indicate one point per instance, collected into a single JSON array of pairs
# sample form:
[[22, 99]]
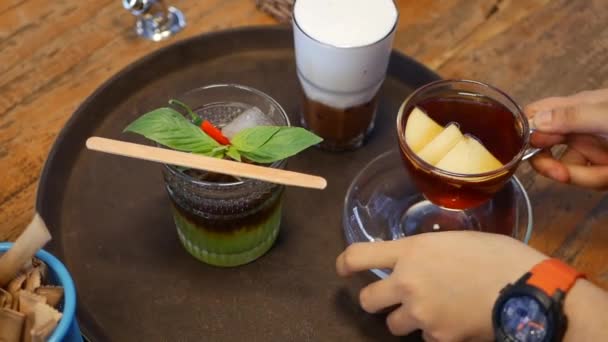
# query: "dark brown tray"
[[112, 227]]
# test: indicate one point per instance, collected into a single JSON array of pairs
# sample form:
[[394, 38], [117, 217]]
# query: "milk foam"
[[346, 23], [344, 63]]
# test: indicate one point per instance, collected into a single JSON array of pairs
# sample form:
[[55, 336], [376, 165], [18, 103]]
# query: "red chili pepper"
[[214, 132]]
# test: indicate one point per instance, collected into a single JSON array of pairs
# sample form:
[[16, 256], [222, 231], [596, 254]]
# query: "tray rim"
[[42, 191]]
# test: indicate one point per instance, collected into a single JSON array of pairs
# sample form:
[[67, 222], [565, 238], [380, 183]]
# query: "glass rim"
[[504, 169], [277, 164], [392, 30]]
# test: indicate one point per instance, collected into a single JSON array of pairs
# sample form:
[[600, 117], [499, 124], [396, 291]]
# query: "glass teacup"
[[385, 203], [480, 110]]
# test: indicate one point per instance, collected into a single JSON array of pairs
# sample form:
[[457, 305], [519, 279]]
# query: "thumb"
[[581, 118]]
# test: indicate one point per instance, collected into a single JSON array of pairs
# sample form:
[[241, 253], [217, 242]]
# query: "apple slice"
[[420, 130], [441, 144], [469, 156]]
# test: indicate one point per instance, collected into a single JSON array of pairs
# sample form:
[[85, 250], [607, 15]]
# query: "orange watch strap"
[[551, 275]]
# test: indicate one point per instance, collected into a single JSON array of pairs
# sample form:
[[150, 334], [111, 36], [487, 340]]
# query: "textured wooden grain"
[[55, 54], [52, 58], [281, 10]]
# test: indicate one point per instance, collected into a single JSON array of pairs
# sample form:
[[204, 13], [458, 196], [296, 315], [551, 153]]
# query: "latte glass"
[[340, 83]]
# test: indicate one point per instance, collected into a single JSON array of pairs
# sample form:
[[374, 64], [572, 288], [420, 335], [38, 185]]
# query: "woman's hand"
[[580, 122], [445, 283]]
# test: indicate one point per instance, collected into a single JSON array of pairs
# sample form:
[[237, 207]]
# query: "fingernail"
[[543, 119]]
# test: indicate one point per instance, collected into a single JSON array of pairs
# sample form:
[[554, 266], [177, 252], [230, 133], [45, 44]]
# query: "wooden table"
[[53, 54]]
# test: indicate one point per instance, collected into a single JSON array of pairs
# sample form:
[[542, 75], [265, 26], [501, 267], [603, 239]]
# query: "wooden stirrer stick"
[[194, 161]]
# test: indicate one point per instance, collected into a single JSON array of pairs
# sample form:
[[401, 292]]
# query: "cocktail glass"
[[221, 220]]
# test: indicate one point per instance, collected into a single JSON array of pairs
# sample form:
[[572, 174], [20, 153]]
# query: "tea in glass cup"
[[461, 141], [342, 52]]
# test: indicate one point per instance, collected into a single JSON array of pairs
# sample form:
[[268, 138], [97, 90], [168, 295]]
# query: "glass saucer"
[[382, 204]]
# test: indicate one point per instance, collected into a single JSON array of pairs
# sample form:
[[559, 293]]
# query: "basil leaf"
[[250, 139], [219, 152], [285, 143], [261, 159], [233, 153], [168, 127], [220, 149]]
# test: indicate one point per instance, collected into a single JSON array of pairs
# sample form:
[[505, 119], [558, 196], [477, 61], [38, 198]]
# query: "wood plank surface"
[[54, 54]]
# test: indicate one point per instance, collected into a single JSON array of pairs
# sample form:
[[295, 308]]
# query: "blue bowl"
[[67, 329]]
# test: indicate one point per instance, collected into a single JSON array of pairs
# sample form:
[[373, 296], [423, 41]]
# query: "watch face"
[[524, 319]]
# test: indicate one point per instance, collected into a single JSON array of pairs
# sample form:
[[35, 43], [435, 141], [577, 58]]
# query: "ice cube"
[[250, 117]]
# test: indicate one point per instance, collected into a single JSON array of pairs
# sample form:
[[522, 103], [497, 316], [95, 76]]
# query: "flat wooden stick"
[[28, 243], [194, 161]]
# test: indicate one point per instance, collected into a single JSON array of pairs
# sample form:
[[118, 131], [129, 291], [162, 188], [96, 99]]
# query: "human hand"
[[446, 283], [579, 121]]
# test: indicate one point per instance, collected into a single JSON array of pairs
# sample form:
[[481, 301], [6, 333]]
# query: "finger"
[[428, 337], [400, 322], [379, 295], [366, 255], [594, 149], [592, 96], [581, 118], [549, 103], [573, 157], [592, 177], [546, 165], [543, 140]]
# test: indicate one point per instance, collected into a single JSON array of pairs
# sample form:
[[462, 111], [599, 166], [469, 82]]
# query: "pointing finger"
[[367, 255]]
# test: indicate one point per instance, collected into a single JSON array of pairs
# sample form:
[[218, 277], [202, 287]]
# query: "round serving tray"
[[112, 226]]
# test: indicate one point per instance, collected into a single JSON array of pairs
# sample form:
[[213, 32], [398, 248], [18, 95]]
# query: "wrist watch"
[[531, 309]]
